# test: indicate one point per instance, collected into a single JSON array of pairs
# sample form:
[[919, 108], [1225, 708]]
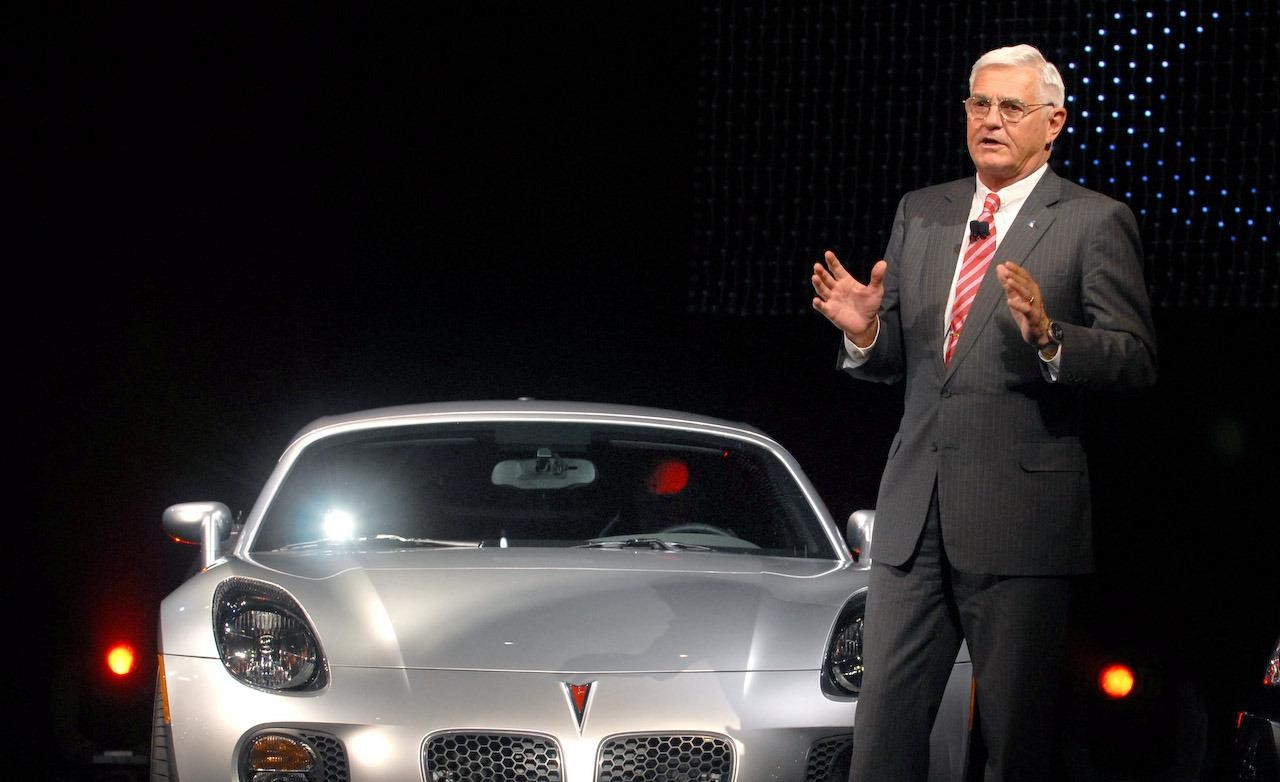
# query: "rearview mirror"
[[547, 470]]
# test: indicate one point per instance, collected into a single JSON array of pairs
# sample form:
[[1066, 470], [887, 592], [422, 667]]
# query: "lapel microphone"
[[978, 229]]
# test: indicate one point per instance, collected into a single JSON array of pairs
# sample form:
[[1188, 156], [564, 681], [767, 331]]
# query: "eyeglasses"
[[1013, 110]]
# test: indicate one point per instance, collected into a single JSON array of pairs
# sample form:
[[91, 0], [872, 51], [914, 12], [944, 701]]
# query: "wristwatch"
[[1055, 340]]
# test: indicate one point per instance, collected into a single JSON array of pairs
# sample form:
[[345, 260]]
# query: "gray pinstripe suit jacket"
[[1002, 442]]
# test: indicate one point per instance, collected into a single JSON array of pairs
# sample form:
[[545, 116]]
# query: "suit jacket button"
[[946, 393]]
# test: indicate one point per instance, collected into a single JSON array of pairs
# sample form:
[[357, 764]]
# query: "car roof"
[[522, 408]]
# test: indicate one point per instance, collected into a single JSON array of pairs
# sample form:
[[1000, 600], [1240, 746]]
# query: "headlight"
[[842, 668], [264, 639]]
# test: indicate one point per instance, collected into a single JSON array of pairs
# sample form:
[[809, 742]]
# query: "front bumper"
[[384, 718]]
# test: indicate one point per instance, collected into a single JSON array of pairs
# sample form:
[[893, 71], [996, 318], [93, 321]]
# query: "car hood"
[[559, 610]]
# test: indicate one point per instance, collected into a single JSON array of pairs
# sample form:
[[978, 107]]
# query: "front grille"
[[829, 759], [492, 757], [331, 752], [663, 758]]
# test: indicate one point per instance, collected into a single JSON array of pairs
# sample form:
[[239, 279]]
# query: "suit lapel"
[[1020, 238], [1035, 216]]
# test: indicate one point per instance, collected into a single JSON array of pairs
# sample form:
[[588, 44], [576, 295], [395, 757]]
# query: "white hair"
[[1052, 90]]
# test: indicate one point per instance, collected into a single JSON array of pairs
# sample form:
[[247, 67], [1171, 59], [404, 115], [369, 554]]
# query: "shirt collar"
[[1013, 195]]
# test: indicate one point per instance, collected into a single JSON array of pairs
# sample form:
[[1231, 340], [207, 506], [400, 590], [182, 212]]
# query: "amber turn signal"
[[277, 752]]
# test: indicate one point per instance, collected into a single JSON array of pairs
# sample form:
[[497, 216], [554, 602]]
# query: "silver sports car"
[[522, 591]]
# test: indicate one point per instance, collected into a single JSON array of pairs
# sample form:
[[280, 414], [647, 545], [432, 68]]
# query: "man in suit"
[[1002, 301]]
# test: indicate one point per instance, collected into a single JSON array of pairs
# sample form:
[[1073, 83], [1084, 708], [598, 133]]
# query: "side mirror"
[[206, 523], [858, 533]]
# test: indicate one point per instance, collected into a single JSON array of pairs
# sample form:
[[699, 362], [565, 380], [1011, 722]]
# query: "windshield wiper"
[[655, 544], [382, 540], [433, 542]]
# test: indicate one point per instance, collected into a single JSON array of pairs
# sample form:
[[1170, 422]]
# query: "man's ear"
[[1057, 121]]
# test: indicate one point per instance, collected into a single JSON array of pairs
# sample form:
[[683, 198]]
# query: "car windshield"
[[520, 484]]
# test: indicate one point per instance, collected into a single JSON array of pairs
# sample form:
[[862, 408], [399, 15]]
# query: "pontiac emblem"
[[579, 698]]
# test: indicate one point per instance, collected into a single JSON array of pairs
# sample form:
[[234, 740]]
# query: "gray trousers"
[[917, 616]]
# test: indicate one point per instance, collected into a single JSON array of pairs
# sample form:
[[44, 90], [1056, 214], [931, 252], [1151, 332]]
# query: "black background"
[[234, 222]]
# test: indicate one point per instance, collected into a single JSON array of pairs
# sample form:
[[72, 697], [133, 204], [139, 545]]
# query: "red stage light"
[[669, 477], [121, 659]]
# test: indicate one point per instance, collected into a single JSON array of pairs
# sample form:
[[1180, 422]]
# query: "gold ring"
[[1031, 300]]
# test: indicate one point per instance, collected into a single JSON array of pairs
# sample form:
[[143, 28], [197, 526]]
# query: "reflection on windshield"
[[520, 484], [380, 541]]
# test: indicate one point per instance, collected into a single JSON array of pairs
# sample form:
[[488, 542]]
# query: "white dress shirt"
[[1011, 200]]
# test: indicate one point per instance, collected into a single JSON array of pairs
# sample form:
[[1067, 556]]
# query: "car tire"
[[160, 771]]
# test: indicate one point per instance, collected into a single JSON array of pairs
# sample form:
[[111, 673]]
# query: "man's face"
[[1004, 152]]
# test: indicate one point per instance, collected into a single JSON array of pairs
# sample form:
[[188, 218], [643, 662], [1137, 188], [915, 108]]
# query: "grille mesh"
[[333, 755], [665, 758], [829, 759], [492, 757]]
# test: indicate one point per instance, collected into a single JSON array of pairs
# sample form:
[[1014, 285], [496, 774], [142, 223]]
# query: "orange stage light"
[[1116, 681], [120, 659]]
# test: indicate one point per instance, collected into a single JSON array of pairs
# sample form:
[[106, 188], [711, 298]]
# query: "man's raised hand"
[[847, 303]]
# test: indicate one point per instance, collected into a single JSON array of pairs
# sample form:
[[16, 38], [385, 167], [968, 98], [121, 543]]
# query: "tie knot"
[[991, 204]]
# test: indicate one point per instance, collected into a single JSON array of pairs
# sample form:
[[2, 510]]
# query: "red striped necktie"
[[977, 257]]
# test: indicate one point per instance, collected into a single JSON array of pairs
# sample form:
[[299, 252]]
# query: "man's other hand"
[[849, 304]]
